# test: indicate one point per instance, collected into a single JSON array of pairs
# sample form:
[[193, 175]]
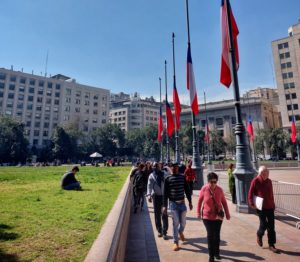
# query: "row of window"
[[86, 94], [290, 96], [289, 85], [284, 55], [287, 75], [283, 45], [219, 121], [297, 118], [295, 107], [120, 113], [32, 82], [286, 65]]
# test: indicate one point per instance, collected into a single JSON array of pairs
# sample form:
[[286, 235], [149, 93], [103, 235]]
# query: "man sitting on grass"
[[69, 182]]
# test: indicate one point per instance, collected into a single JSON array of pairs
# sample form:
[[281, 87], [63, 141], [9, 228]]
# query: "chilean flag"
[[225, 77], [206, 138], [250, 128], [170, 120], [294, 131], [191, 85], [160, 126], [177, 106]]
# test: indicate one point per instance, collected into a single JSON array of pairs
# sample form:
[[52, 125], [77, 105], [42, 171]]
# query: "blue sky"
[[121, 45]]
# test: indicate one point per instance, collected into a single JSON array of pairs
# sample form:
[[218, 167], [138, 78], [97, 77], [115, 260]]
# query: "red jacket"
[[263, 189], [189, 174], [206, 205]]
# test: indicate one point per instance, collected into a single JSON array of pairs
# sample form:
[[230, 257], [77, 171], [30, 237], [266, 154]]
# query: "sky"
[[121, 45]]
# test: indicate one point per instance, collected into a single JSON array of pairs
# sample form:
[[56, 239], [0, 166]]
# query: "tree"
[[13, 144], [63, 148], [230, 144], [217, 142], [278, 142]]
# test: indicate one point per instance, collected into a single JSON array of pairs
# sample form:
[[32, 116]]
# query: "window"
[[287, 54], [45, 133], [21, 97], [9, 104], [49, 85], [86, 103], [289, 85], [68, 91], [78, 93], [12, 87], [57, 86], [295, 106], [283, 45], [37, 116], [39, 99], [56, 102], [288, 64], [49, 93], [289, 107], [28, 123], [287, 96], [87, 111], [95, 112], [87, 95], [38, 108], [40, 91], [95, 103], [77, 109], [1, 94], [48, 100], [47, 117], [21, 88], [68, 99], [35, 141], [47, 108], [290, 74], [66, 117], [67, 109], [23, 80], [46, 125], [41, 83], [104, 113], [20, 106], [284, 76], [31, 90], [104, 121], [95, 121], [11, 95], [294, 95], [1, 85], [37, 124], [56, 94], [36, 133], [32, 82], [96, 97], [13, 79], [77, 101], [29, 106], [2, 76], [219, 121]]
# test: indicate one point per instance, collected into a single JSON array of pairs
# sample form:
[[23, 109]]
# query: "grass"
[[41, 222]]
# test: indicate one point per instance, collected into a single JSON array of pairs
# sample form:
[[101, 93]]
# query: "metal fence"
[[286, 196], [287, 199]]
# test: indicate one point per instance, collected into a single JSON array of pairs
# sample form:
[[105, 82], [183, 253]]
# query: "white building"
[[42, 103]]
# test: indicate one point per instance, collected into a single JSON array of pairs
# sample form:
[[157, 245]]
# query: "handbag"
[[220, 212]]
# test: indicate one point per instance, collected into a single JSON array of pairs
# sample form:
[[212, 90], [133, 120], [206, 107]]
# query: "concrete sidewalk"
[[238, 239]]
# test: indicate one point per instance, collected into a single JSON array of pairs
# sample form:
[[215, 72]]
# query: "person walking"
[[139, 187], [261, 186], [174, 189], [190, 176], [231, 183], [155, 192], [211, 207]]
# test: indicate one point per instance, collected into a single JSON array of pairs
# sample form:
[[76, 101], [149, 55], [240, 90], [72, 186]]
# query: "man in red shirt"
[[261, 186]]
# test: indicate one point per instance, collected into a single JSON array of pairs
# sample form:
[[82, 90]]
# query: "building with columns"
[[286, 57]]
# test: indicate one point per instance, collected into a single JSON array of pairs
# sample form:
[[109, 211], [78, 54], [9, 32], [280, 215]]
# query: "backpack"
[[139, 183]]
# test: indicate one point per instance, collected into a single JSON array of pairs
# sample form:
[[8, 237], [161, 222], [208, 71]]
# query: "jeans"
[[72, 186], [213, 228], [178, 212], [157, 204], [266, 219]]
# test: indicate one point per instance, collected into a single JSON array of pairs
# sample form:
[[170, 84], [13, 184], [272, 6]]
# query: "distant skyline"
[[121, 45]]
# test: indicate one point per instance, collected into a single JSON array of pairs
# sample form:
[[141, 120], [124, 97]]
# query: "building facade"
[[42, 103], [135, 113], [286, 57], [221, 115]]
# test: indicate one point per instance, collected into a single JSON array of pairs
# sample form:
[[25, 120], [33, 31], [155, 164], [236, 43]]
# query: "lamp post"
[[161, 142], [244, 171], [167, 137]]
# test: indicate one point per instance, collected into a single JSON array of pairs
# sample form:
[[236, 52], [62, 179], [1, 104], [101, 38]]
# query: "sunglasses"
[[213, 181]]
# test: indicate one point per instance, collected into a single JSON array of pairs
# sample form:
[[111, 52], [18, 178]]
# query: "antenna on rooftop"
[[46, 64]]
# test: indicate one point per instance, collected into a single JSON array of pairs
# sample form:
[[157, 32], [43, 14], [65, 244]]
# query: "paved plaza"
[[238, 237]]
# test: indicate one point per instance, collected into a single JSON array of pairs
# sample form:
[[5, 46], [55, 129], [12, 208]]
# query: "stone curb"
[[110, 244]]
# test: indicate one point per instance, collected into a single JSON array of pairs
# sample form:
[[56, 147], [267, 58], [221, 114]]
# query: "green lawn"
[[41, 222]]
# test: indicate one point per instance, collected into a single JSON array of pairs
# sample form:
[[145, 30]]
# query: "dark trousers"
[[213, 228], [159, 216], [233, 195], [266, 222], [138, 198], [191, 185]]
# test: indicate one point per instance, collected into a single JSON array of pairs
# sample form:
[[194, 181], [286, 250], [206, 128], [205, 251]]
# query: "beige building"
[[134, 113], [42, 103], [286, 56]]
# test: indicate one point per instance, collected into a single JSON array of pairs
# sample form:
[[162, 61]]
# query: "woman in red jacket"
[[190, 176], [210, 208]]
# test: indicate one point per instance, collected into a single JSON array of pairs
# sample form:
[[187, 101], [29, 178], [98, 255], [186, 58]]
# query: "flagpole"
[[196, 161], [297, 142], [167, 137], [161, 142], [209, 163], [244, 171], [177, 154]]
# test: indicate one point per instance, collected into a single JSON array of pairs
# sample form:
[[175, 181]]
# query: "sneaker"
[[182, 238], [259, 241], [274, 249], [175, 247], [165, 237]]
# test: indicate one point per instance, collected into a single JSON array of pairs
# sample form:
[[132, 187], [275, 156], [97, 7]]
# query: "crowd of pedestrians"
[[170, 187]]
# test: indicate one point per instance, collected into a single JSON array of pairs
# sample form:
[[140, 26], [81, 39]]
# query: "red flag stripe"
[[294, 132], [170, 120], [177, 107]]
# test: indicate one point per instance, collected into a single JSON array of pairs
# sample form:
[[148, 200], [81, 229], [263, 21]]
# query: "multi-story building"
[[42, 103], [286, 56], [135, 113]]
